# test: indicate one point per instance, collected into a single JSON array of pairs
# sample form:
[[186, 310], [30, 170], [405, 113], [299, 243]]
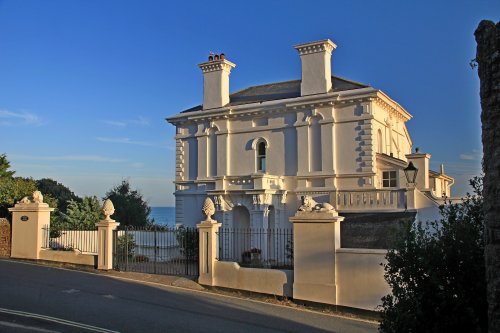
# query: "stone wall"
[[360, 278], [488, 61], [4, 238], [266, 281], [373, 230]]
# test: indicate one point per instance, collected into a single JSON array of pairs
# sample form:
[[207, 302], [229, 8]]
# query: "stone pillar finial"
[[108, 209], [208, 209]]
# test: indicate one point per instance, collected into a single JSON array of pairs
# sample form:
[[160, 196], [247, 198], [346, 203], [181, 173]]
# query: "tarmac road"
[[35, 298]]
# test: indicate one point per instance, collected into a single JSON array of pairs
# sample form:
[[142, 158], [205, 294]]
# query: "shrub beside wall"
[[4, 238]]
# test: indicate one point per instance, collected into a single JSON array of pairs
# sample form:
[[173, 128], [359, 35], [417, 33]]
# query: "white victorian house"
[[257, 151]]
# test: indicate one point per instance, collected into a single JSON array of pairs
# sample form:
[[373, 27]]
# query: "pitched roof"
[[279, 90]]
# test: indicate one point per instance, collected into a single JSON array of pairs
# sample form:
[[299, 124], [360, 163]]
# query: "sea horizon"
[[163, 215]]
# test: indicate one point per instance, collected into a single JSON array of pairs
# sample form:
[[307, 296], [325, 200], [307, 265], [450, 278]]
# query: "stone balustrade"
[[369, 200], [251, 182]]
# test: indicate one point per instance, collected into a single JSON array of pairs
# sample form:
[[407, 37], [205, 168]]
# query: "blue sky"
[[85, 86]]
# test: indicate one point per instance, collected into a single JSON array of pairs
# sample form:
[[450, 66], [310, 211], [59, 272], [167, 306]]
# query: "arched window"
[[212, 153], [380, 143], [261, 157], [315, 158]]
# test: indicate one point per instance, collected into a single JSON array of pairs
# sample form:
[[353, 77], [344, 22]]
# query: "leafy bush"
[[187, 238], [125, 246], [437, 273]]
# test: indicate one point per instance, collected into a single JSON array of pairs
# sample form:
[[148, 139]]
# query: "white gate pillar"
[[29, 219], [316, 237], [207, 231], [105, 237]]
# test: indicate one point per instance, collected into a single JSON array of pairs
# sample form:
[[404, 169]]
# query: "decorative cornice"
[[325, 45], [216, 65], [263, 109], [392, 107]]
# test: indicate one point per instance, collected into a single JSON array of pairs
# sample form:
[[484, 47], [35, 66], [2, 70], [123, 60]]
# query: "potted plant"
[[255, 252], [246, 257]]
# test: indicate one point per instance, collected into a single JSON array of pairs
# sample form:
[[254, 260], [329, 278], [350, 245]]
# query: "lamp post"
[[411, 174]]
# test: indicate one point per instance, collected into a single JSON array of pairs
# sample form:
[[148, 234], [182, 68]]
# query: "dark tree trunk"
[[488, 60]]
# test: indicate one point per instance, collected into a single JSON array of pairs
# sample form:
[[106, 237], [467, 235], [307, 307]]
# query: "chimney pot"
[[222, 56], [216, 57]]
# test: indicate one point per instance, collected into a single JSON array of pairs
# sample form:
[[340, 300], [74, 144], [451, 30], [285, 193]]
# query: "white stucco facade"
[[257, 151]]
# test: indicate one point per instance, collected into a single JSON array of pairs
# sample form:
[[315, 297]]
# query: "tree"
[[57, 190], [83, 214], [437, 273], [12, 190], [488, 62], [4, 167], [130, 208]]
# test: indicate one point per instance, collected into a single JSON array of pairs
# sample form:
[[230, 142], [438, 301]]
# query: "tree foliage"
[[12, 190], [125, 247], [85, 213], [437, 273], [4, 167], [57, 190], [188, 240], [130, 207]]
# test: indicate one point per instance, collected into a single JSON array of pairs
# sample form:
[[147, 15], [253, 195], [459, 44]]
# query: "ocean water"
[[163, 215]]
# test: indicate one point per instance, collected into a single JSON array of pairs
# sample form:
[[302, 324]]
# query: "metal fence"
[[156, 250], [70, 237], [256, 247]]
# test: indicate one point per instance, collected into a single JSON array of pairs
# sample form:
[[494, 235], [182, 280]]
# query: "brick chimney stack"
[[216, 81], [316, 66]]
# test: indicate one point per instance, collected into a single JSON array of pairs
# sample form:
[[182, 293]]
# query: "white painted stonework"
[[256, 152]]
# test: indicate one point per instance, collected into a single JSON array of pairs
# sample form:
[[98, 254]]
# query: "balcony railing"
[[372, 200], [250, 182]]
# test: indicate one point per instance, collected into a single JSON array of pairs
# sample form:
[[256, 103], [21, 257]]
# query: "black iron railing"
[[156, 250], [257, 247]]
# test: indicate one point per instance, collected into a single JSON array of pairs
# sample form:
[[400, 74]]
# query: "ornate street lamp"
[[411, 174]]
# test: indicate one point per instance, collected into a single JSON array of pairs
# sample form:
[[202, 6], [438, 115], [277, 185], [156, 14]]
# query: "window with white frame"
[[389, 179]]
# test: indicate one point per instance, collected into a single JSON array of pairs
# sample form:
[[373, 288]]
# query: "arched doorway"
[[241, 217], [241, 240]]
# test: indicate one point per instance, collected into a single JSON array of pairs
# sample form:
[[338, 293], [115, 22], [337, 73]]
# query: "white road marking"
[[71, 291], [57, 320], [31, 328], [109, 296]]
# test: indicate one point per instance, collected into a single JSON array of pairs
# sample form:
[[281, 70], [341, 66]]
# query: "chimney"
[[216, 81], [316, 66]]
